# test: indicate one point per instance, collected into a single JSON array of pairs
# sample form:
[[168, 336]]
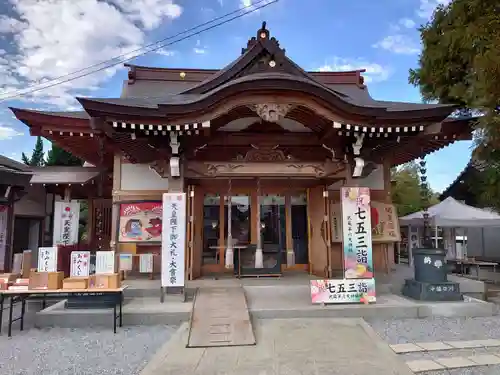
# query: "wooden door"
[[318, 248]]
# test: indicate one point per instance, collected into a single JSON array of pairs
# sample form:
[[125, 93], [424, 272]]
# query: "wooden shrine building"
[[277, 140]]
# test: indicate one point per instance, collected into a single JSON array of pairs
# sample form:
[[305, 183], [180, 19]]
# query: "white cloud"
[[400, 44], [408, 23], [427, 7], [56, 38], [249, 4], [165, 52], [199, 49], [374, 72], [8, 133]]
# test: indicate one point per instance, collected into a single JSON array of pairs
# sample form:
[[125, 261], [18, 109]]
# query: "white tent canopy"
[[453, 214]]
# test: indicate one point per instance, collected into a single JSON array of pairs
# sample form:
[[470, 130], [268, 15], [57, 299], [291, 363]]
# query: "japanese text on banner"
[[80, 264], [173, 239], [357, 233]]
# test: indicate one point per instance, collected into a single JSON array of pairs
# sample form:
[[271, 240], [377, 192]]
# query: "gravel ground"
[[442, 329], [59, 351], [437, 329]]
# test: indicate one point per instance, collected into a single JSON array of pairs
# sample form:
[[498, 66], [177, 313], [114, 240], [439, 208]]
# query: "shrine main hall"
[[261, 148]]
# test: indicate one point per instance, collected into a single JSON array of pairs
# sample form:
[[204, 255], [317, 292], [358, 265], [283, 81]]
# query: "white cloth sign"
[[66, 221], [104, 262], [47, 259], [80, 264], [173, 243], [146, 263], [125, 262]]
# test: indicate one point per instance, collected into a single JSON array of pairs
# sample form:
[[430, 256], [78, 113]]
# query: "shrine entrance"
[[234, 219]]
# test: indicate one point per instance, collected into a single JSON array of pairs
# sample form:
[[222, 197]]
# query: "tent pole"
[[436, 242]]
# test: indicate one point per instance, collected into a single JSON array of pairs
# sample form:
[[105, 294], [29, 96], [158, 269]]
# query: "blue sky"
[[40, 42]]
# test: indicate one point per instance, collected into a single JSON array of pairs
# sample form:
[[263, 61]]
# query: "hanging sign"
[[140, 222], [343, 291], [66, 223], [146, 263], [47, 259], [357, 234], [173, 239], [4, 216], [80, 264], [104, 262]]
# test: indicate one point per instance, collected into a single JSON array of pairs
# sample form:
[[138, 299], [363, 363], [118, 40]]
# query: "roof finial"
[[263, 33]]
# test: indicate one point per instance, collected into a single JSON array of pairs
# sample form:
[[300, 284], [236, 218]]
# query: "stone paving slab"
[[421, 365], [286, 346], [406, 348], [433, 346], [485, 359], [455, 362], [220, 318]]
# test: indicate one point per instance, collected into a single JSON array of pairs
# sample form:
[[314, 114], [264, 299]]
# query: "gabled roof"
[[13, 173], [262, 66]]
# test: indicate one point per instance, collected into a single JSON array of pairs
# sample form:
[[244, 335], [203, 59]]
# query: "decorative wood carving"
[[271, 169], [265, 155], [161, 167], [271, 112]]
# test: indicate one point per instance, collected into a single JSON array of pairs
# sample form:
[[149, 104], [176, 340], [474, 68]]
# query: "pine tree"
[[59, 156], [37, 157]]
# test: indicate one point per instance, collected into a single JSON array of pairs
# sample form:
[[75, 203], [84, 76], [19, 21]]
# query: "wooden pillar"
[[115, 207], [290, 254], [259, 255], [90, 222], [9, 240]]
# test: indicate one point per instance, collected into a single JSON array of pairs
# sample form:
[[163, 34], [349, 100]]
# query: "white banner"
[[80, 264], [47, 259], [66, 220], [104, 262], [146, 263], [173, 243], [4, 217]]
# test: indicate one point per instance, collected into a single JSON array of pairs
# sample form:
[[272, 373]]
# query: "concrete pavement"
[[286, 347]]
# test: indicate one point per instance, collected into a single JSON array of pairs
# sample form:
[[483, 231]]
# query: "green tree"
[[460, 64], [406, 190], [37, 157], [59, 156]]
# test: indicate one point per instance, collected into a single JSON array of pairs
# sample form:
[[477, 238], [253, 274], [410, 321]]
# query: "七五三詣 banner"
[[357, 233], [343, 291]]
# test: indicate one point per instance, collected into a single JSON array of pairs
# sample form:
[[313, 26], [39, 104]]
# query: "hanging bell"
[[422, 163]]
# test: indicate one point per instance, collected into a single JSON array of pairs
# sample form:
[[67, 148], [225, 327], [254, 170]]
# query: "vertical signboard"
[[66, 222], [80, 264], [104, 262], [357, 233], [47, 259], [4, 217], [173, 244]]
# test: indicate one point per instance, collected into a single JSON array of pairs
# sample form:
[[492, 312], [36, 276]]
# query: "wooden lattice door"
[[100, 230]]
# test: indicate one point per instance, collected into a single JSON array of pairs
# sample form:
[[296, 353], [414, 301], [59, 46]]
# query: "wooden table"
[[478, 265], [110, 298]]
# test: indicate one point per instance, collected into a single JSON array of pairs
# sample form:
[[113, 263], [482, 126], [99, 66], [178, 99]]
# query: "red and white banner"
[[66, 221]]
